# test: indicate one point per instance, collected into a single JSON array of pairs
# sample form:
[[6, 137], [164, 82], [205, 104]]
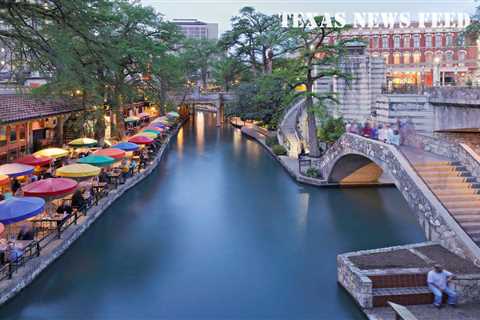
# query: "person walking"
[[437, 281]]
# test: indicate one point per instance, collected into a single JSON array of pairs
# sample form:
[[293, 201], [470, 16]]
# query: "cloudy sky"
[[220, 11]]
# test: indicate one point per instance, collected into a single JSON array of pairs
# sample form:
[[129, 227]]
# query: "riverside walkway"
[[56, 244]]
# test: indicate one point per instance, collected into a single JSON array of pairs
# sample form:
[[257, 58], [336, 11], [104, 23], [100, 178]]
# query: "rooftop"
[[14, 107]]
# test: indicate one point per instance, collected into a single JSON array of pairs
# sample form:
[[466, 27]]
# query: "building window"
[[375, 42], [461, 55], [13, 135], [449, 40], [385, 42], [406, 41], [428, 41], [396, 58], [416, 41], [417, 57], [449, 56], [406, 57], [3, 136], [438, 57], [438, 40], [429, 57], [396, 42], [386, 57], [461, 40]]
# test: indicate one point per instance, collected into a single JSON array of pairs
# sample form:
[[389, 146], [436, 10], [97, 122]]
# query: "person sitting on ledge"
[[437, 280]]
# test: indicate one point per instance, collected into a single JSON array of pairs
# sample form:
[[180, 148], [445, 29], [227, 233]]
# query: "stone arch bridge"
[[216, 101], [356, 159]]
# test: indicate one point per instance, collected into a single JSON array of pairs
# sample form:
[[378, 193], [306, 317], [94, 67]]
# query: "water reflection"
[[216, 232]]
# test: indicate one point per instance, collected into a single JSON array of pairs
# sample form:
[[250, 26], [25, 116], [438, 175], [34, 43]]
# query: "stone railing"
[[434, 218], [287, 132]]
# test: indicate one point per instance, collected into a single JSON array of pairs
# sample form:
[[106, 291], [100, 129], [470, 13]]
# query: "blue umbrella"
[[127, 146], [17, 209], [158, 125], [16, 170]]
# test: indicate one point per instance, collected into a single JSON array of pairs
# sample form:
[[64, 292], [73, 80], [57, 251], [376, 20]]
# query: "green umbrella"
[[98, 161], [151, 131]]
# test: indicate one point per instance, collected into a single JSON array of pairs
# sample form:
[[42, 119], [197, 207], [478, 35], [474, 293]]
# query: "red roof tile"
[[23, 107]]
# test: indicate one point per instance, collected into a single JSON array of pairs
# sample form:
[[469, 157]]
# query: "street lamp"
[[436, 71]]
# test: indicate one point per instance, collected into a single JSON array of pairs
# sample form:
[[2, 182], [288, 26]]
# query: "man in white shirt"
[[437, 281]]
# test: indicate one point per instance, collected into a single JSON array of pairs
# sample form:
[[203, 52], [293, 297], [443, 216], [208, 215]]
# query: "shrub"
[[279, 150], [312, 173], [271, 141]]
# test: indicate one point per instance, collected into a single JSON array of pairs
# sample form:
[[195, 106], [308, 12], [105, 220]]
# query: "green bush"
[[279, 150], [271, 141], [312, 173]]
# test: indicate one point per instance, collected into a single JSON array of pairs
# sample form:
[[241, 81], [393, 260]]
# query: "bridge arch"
[[354, 168]]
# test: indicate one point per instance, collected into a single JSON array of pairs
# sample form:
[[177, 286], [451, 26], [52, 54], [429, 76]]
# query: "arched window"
[[406, 57], [396, 58], [417, 57], [429, 57]]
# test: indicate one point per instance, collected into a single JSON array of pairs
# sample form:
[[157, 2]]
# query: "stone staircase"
[[405, 289], [458, 190]]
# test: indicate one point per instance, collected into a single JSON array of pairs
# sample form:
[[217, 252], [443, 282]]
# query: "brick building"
[[422, 56]]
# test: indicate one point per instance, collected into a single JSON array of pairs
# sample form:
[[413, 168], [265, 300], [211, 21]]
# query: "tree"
[[256, 39], [319, 59], [95, 51], [227, 71], [200, 54]]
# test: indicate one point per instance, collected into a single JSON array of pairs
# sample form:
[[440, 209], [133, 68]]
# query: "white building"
[[196, 29]]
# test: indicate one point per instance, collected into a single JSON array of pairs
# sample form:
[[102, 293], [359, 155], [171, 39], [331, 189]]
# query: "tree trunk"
[[312, 127], [118, 127]]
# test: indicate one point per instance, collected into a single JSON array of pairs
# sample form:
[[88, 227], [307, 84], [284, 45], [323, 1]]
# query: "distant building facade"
[[195, 29], [422, 56]]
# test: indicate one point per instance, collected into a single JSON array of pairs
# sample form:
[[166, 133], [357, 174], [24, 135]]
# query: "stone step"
[[455, 185], [463, 218], [452, 192], [471, 227], [434, 164], [432, 174], [444, 169], [403, 296], [465, 211], [461, 204], [458, 197], [439, 180]]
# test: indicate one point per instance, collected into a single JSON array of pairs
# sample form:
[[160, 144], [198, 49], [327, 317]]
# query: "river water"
[[218, 231]]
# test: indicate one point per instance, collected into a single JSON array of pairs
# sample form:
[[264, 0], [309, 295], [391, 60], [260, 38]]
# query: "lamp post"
[[436, 72]]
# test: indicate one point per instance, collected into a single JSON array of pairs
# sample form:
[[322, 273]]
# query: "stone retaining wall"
[[26, 274]]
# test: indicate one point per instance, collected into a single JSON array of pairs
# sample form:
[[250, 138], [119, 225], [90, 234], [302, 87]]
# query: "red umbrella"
[[32, 160], [114, 153], [140, 140], [50, 187]]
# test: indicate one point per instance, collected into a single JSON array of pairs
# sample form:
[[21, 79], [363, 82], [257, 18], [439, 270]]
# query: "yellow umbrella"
[[4, 179], [78, 170], [52, 153], [83, 142], [150, 135]]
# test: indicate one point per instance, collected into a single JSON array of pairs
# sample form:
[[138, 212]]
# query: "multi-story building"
[[197, 29], [424, 56]]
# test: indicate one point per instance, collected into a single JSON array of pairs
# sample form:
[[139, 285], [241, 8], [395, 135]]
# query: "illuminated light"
[[301, 88], [78, 92]]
